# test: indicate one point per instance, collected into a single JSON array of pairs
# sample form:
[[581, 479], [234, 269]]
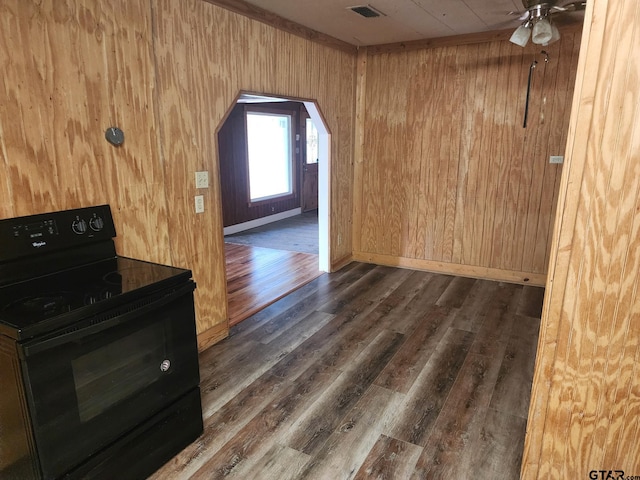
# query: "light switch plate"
[[556, 159], [199, 203], [202, 179]]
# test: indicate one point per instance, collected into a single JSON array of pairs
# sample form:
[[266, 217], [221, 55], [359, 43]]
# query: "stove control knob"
[[96, 224], [79, 226], [165, 365], [106, 294]]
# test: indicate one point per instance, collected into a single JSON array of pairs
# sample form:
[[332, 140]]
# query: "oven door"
[[88, 387]]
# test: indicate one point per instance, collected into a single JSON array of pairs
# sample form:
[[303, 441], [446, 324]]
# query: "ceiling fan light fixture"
[[521, 36], [539, 21], [542, 32], [555, 34]]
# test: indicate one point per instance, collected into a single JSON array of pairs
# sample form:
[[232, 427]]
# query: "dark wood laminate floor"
[[371, 372]]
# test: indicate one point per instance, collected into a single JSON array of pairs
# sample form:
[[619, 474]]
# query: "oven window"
[[118, 370]]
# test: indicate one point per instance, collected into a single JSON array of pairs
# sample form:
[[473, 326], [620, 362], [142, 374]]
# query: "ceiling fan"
[[537, 21]]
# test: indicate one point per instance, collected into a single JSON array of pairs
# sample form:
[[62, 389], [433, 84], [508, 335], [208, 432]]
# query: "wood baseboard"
[[259, 222], [523, 278], [213, 335]]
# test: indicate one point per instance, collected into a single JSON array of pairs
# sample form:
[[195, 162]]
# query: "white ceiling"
[[403, 20]]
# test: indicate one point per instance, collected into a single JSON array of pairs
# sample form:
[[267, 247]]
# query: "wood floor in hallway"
[[257, 277], [371, 372]]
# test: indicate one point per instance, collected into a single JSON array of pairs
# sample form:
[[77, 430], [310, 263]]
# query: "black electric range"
[[98, 352]]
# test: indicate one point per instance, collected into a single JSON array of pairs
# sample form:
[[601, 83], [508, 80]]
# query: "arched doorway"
[[263, 162]]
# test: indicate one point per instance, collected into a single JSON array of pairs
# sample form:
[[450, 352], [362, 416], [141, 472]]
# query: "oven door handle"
[[109, 321]]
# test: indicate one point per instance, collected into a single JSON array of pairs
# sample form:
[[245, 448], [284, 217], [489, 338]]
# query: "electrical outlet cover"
[[202, 179], [199, 201]]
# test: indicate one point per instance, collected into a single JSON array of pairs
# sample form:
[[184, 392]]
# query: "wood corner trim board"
[[341, 262], [264, 16], [213, 335], [485, 273]]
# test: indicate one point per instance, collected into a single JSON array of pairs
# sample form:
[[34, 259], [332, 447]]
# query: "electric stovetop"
[[59, 267], [26, 304]]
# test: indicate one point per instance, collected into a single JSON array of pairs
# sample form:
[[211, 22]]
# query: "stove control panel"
[[35, 234]]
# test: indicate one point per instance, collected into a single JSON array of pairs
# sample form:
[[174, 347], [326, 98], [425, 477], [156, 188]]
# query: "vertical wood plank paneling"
[[443, 192], [451, 150], [494, 139], [544, 76], [359, 135], [449, 163], [431, 177], [412, 224], [513, 212], [166, 73], [470, 56], [585, 401], [489, 127], [510, 89]]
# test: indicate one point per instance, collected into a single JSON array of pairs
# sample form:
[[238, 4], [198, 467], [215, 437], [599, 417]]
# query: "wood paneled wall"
[[585, 407], [204, 56], [447, 178], [167, 73], [70, 70]]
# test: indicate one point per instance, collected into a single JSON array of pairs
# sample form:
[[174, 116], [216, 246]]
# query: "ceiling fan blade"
[[570, 7], [521, 15]]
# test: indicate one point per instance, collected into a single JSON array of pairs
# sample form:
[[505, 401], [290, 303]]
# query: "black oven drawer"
[[88, 385], [139, 453]]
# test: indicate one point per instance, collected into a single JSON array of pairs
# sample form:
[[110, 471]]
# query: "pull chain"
[[526, 103], [531, 69]]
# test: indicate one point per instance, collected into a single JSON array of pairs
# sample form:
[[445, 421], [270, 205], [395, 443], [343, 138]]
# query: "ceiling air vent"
[[366, 11]]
